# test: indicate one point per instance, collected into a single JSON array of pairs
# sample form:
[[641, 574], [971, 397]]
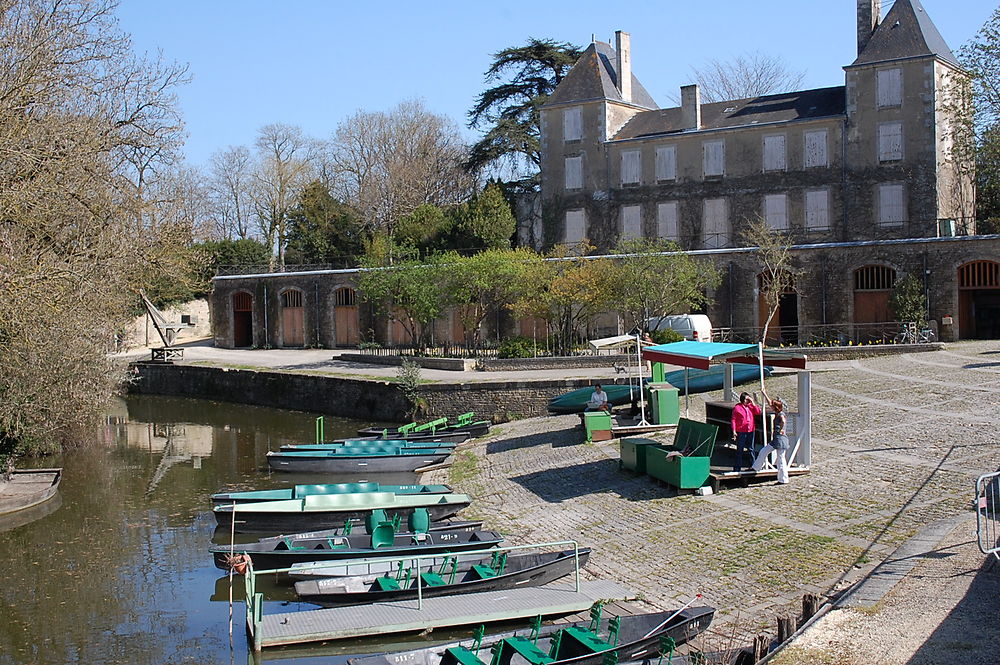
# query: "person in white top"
[[598, 400]]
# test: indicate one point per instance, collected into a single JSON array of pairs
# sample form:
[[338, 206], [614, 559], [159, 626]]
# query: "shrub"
[[666, 336], [516, 347]]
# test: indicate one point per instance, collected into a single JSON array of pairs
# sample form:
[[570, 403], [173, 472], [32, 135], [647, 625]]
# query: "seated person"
[[598, 400]]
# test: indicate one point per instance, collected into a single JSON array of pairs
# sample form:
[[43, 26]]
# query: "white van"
[[695, 327]]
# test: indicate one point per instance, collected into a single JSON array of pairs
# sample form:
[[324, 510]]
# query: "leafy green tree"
[[981, 58], [321, 229], [655, 278], [908, 302], [426, 228], [484, 281], [508, 112], [405, 289], [485, 222]]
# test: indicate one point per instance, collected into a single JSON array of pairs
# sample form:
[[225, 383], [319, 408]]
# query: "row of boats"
[[343, 544]]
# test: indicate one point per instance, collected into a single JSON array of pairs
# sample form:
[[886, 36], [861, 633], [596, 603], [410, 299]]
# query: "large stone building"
[[865, 179]]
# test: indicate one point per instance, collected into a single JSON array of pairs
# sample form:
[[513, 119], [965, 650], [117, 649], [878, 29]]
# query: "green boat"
[[302, 491]]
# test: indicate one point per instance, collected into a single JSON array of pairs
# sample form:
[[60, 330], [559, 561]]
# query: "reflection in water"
[[120, 573]]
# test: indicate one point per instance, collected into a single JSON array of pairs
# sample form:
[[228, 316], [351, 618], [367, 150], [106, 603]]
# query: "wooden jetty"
[[408, 616]]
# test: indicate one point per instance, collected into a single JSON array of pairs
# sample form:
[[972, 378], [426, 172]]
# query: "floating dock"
[[406, 616]]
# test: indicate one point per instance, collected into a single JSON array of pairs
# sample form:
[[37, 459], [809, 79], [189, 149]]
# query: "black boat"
[[346, 461], [465, 423], [382, 542], [452, 577], [633, 638]]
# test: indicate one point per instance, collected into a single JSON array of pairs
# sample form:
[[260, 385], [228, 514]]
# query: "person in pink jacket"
[[745, 415]]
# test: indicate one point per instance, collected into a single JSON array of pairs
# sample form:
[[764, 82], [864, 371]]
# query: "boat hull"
[[267, 556], [28, 488], [524, 570], [473, 429], [300, 491], [352, 463], [252, 521]]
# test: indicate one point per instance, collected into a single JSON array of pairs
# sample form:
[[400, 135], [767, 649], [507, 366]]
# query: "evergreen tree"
[[323, 230]]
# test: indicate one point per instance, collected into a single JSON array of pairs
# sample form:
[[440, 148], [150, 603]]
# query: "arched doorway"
[[242, 319], [784, 327], [979, 300], [872, 291], [345, 317], [292, 318]]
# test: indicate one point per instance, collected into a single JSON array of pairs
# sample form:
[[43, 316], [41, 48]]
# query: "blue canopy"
[[702, 354]]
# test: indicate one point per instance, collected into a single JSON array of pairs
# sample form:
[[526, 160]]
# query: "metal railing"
[[837, 334], [988, 513]]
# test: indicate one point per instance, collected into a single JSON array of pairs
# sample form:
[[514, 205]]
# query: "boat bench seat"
[[587, 639], [386, 583], [431, 579], [461, 656], [528, 650], [483, 572]]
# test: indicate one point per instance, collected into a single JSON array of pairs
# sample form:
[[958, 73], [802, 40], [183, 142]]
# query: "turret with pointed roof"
[[905, 32]]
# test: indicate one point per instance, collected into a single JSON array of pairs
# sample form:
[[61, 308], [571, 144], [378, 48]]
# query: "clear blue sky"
[[313, 63]]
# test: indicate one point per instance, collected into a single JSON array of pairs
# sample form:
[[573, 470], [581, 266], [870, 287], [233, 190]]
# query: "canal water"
[[119, 570]]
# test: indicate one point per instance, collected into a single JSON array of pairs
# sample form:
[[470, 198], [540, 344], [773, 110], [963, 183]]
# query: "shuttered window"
[[774, 153], [576, 226], [573, 124], [666, 220], [890, 87], [631, 167], [715, 223], [890, 141], [631, 222], [666, 162], [574, 172], [815, 149], [714, 157], [776, 211], [891, 204], [818, 209]]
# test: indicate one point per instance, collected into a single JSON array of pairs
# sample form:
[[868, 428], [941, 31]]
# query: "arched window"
[[979, 275], [291, 298], [874, 278], [345, 297]]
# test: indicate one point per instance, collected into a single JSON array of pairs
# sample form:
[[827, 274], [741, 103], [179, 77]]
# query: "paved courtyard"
[[898, 442]]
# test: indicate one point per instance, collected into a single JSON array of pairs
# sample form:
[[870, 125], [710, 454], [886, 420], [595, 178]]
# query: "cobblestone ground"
[[898, 442]]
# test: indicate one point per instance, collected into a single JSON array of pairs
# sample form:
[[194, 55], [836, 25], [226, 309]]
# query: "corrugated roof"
[[800, 105], [595, 76], [905, 32]]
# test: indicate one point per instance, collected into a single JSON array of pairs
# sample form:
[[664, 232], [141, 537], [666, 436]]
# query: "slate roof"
[[595, 76], [800, 105], [905, 32]]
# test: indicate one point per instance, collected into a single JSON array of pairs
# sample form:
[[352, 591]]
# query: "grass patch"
[[464, 468]]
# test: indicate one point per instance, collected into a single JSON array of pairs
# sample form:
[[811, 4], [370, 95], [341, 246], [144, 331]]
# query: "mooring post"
[[810, 605], [786, 626]]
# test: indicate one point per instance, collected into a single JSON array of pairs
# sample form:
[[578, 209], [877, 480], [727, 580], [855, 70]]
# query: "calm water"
[[119, 571]]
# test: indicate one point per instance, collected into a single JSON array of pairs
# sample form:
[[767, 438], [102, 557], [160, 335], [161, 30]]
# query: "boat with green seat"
[[452, 576], [465, 422], [369, 444], [599, 641], [329, 511], [301, 491], [372, 459]]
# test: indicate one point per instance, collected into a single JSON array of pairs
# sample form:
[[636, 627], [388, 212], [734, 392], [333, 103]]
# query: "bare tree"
[[83, 125], [387, 164], [283, 168], [773, 253], [230, 183], [746, 75]]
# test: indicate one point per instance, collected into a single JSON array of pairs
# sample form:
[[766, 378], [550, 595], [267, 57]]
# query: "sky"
[[314, 63]]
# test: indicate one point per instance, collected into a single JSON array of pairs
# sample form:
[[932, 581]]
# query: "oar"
[[671, 617]]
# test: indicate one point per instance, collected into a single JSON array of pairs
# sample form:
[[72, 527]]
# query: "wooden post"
[[810, 605], [760, 644], [786, 626]]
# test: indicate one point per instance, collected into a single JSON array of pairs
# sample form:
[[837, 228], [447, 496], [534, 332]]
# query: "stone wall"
[[498, 401], [559, 362]]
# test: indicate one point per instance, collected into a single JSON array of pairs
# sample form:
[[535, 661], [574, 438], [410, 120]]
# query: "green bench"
[[690, 466]]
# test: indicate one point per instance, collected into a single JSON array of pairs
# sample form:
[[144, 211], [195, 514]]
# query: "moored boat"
[[464, 423], [362, 445], [301, 491], [581, 643], [331, 510], [382, 542], [349, 460], [452, 576], [25, 488]]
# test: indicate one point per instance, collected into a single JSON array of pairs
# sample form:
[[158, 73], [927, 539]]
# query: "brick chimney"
[[690, 107], [623, 61], [869, 16]]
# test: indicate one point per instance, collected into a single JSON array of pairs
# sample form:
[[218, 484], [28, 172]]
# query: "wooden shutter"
[[631, 167], [666, 220], [891, 204], [890, 87], [815, 148], [774, 153], [776, 211], [890, 141], [574, 172], [631, 222], [818, 209], [715, 157], [576, 224], [666, 162], [573, 124]]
